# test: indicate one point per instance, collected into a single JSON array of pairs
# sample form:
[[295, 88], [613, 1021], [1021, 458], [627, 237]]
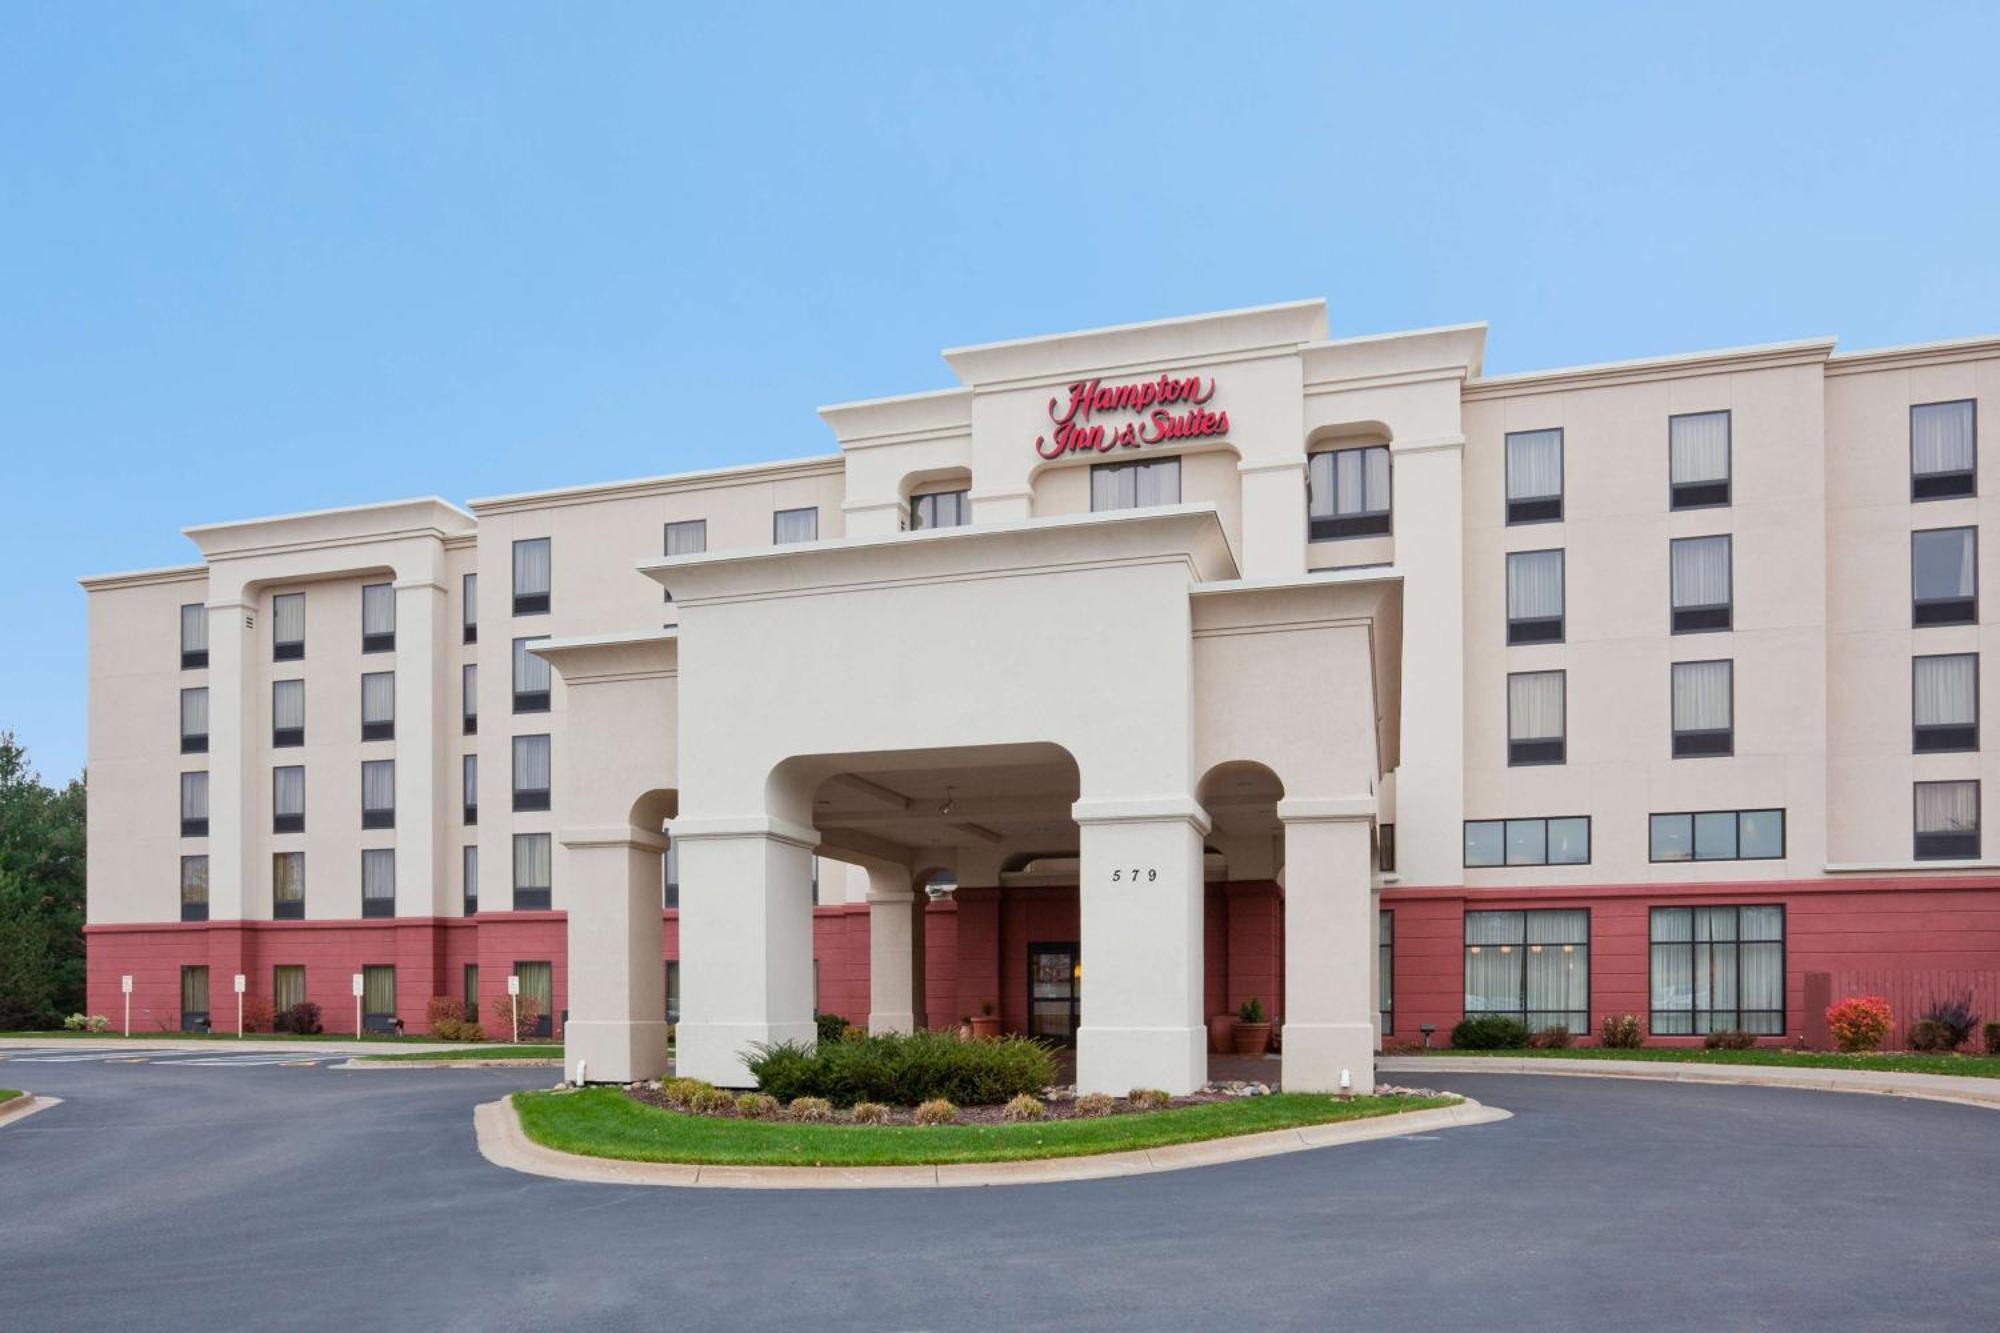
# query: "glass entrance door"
[[1055, 977]]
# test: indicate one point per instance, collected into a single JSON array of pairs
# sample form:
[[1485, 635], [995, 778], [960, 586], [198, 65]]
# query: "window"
[[378, 998], [469, 787], [288, 627], [1385, 970], [531, 772], [531, 872], [469, 607], [1347, 493], [194, 721], [288, 799], [1704, 709], [194, 999], [1944, 576], [673, 990], [1385, 848], [670, 872], [942, 509], [378, 705], [1562, 841], [378, 793], [468, 699], [194, 636], [687, 537], [472, 992], [1534, 476], [1718, 835], [794, 525], [1718, 969], [378, 882], [1536, 722], [194, 888], [1701, 594], [1535, 597], [1698, 460], [470, 867], [1944, 450], [531, 677], [1947, 821], [288, 986], [537, 989], [1531, 966], [194, 805], [378, 618], [288, 886], [532, 570], [1944, 702], [288, 714], [1135, 485]]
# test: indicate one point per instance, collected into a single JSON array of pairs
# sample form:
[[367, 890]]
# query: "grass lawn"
[[1965, 1066], [9, 1094], [604, 1122], [503, 1051]]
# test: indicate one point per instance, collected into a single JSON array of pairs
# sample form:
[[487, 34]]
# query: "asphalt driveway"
[[268, 1196]]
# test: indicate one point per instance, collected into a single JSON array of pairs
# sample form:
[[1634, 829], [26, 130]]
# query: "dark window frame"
[[285, 738], [468, 602], [1942, 608], [1533, 629], [1949, 846], [378, 908], [526, 799], [533, 897], [192, 911], [777, 514], [1535, 508], [1336, 526], [1694, 1015], [191, 826], [1945, 485], [468, 874], [527, 701], [1706, 743], [287, 909], [1385, 848], [1169, 460], [371, 1021], [196, 1020], [197, 742], [1589, 842], [193, 659], [961, 497], [667, 542], [285, 650], [1703, 618], [1700, 498], [377, 818], [378, 730], [1695, 858], [1385, 965], [532, 603], [468, 809], [1521, 1014], [285, 823], [1944, 738], [378, 643], [1544, 756]]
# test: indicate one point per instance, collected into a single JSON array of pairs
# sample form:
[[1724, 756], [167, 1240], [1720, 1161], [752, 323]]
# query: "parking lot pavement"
[[196, 1057]]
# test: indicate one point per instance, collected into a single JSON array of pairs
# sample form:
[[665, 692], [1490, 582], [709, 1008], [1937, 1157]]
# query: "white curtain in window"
[[1941, 437], [531, 763], [288, 790], [378, 608], [194, 712], [288, 618], [537, 983], [1112, 487], [1492, 962], [689, 538], [471, 778], [531, 673], [1698, 446], [1376, 475], [795, 525], [1349, 490], [194, 879], [1558, 966], [468, 689], [288, 877], [1947, 690], [531, 567], [1534, 464], [1534, 585], [378, 696], [531, 860], [470, 867], [194, 796], [1158, 483], [288, 705], [378, 784], [194, 628], [1702, 695], [1947, 807], [1319, 485], [1943, 561], [378, 873], [470, 613], [1700, 571], [1535, 706]]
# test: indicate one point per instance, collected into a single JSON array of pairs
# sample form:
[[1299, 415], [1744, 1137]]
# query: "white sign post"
[[514, 1005], [241, 980], [125, 984], [357, 1004]]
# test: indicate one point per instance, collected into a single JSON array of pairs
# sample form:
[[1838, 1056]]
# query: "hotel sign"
[[1160, 411]]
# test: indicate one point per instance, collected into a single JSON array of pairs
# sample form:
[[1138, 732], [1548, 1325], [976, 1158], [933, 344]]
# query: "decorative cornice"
[[144, 578], [819, 465], [1768, 356], [1911, 355]]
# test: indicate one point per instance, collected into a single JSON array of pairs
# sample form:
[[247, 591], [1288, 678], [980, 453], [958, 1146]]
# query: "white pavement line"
[[22, 1107], [1957, 1089], [504, 1143]]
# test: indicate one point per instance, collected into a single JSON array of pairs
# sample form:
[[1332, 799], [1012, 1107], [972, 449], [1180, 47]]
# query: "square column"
[[895, 951], [617, 1030], [1140, 899], [746, 943], [232, 791], [420, 746], [1330, 946]]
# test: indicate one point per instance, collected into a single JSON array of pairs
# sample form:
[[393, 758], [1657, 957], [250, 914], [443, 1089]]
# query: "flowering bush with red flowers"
[[1861, 1023]]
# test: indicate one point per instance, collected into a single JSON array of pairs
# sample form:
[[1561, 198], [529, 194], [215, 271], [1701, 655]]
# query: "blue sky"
[[259, 258]]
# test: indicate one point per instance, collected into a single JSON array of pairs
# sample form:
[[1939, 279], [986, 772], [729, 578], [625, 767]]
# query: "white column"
[[1140, 894], [232, 790], [895, 941], [420, 774], [746, 942], [617, 981], [1329, 945], [1430, 777]]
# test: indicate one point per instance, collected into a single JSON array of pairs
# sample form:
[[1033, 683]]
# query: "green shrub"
[[1554, 1038], [1729, 1039], [810, 1109], [905, 1068], [1095, 1103], [1932, 1035], [756, 1106], [832, 1027], [1992, 1031], [870, 1113], [1621, 1032], [1489, 1032], [1252, 1011], [1023, 1107], [1956, 1016], [1145, 1098], [936, 1111]]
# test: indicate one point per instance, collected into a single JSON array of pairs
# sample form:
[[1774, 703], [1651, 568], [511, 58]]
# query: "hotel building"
[[1149, 670]]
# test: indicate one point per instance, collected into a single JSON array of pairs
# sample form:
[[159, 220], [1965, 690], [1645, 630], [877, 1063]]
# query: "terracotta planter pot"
[[986, 1025], [1220, 1028], [1250, 1038]]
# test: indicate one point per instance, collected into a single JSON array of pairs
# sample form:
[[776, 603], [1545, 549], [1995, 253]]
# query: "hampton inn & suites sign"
[[1140, 413]]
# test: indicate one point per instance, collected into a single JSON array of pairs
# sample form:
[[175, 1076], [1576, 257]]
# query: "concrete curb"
[[363, 1062], [265, 1042], [503, 1142], [1983, 1092], [20, 1108]]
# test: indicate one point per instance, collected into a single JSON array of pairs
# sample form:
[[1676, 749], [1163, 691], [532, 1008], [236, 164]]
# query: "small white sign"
[[241, 981], [125, 984], [513, 985], [357, 983]]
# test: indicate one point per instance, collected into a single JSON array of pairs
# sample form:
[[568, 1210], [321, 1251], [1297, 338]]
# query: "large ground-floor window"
[[538, 983], [1531, 965], [378, 997], [194, 999], [1718, 968], [1385, 967]]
